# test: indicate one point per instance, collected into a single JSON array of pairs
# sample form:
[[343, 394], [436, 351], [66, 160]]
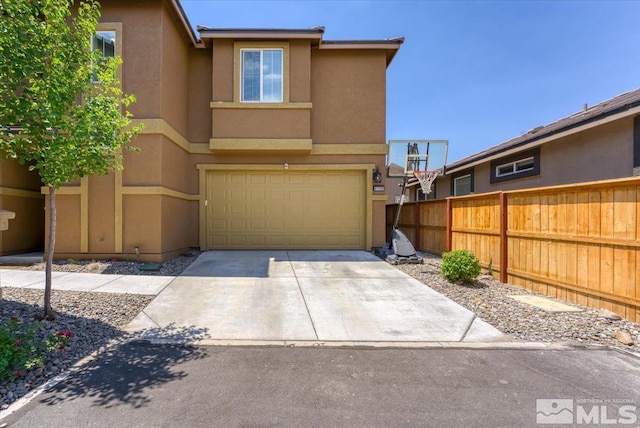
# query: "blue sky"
[[476, 73]]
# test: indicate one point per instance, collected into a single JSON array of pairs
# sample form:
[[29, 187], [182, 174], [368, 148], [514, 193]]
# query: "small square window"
[[524, 165], [105, 42], [462, 185]]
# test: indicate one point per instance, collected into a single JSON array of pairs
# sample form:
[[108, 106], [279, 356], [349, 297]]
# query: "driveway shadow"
[[268, 263], [127, 373]]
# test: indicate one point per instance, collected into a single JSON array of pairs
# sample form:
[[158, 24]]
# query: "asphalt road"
[[143, 385]]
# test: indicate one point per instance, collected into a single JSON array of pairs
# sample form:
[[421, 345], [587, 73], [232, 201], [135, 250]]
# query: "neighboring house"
[[597, 143], [412, 193], [253, 139]]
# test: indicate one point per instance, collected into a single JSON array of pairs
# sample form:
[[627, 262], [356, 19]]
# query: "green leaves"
[[460, 265], [68, 127]]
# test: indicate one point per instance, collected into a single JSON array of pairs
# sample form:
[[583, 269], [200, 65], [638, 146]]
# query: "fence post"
[[449, 225], [416, 223], [503, 237]]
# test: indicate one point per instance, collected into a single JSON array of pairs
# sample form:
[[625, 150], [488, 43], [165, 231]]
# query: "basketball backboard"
[[407, 156]]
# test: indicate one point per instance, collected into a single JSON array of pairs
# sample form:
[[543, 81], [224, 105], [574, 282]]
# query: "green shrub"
[[21, 349], [460, 265]]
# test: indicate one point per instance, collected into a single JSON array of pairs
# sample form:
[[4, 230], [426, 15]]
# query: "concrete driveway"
[[304, 296]]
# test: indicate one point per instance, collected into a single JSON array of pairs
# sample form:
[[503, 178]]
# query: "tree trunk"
[[48, 311]]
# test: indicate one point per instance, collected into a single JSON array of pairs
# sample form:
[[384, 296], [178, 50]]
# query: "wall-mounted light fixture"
[[377, 177]]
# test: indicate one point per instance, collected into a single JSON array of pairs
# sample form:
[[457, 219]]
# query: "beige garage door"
[[286, 210]]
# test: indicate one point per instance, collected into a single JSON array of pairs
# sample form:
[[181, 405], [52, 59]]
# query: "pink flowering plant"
[[21, 349]]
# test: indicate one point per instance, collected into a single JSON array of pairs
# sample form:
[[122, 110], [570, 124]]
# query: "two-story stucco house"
[[253, 139]]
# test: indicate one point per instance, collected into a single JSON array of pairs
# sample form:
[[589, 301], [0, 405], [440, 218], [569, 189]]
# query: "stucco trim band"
[[349, 149], [161, 127], [158, 190], [274, 106], [20, 193], [64, 190], [260, 144]]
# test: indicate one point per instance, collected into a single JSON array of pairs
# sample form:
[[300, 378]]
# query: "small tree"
[[52, 116]]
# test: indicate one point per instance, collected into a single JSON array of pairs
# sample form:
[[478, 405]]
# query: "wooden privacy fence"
[[579, 243]]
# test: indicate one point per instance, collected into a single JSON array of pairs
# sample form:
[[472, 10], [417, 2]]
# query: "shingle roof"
[[615, 105]]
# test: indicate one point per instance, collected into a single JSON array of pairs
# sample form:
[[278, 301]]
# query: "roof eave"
[[391, 46], [260, 33], [195, 41]]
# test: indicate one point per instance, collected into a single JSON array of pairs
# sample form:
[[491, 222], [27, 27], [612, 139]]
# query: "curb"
[[366, 344]]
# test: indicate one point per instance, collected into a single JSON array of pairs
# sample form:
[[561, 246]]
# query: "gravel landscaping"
[[95, 319], [489, 299], [171, 267], [92, 318]]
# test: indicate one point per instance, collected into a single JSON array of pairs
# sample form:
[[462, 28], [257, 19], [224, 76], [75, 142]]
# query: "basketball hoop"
[[426, 179]]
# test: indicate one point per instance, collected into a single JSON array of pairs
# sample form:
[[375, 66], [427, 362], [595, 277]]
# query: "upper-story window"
[[262, 75], [105, 43]]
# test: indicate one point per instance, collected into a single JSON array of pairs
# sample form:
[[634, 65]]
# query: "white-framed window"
[[261, 78], [516, 166], [462, 185], [522, 165], [105, 43]]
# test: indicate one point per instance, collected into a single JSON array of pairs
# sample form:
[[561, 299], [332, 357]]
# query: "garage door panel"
[[237, 224], [286, 209], [237, 178], [237, 241]]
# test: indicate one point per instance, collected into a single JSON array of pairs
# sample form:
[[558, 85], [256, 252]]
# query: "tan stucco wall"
[[141, 223], [19, 193], [300, 71], [26, 230], [156, 196], [67, 225], [259, 123], [175, 75], [348, 91], [222, 70], [101, 214], [200, 95], [142, 24], [378, 226], [179, 224], [156, 68]]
